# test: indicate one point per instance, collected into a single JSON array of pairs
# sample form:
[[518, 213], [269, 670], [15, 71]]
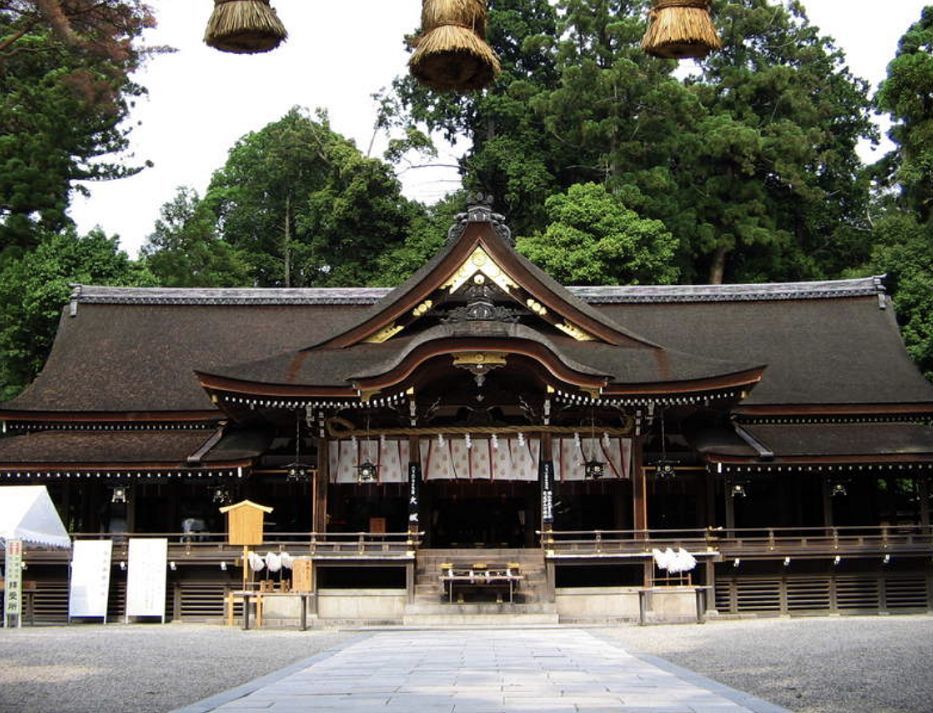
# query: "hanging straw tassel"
[[451, 54], [680, 29], [244, 27]]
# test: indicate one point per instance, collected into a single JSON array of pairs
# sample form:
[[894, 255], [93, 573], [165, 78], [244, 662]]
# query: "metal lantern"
[[594, 469], [367, 472]]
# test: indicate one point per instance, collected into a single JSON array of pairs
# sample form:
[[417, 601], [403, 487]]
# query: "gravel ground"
[[90, 668], [874, 664], [818, 665]]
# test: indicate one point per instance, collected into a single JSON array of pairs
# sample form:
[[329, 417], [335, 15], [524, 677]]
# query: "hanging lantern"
[[680, 29], [594, 469], [244, 27], [451, 54], [368, 472]]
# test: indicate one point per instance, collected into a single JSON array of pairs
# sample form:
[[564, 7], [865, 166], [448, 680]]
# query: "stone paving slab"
[[485, 671]]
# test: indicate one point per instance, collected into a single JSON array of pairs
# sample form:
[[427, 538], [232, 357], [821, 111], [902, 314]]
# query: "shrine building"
[[776, 438]]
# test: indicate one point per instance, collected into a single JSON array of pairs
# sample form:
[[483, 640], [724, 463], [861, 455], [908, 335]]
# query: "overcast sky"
[[338, 54]]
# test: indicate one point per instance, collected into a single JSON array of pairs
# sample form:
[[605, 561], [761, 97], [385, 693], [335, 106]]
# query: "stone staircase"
[[431, 606]]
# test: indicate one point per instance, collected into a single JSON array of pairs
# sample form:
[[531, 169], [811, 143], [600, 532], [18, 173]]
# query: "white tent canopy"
[[27, 514]]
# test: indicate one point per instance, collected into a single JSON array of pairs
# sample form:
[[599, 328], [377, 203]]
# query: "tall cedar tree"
[[904, 228], [65, 88], [750, 163]]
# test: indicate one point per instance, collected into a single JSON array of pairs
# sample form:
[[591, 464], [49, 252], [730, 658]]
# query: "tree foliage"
[[593, 239], [184, 249], [904, 229], [304, 207], [34, 287], [65, 88], [750, 163], [907, 94]]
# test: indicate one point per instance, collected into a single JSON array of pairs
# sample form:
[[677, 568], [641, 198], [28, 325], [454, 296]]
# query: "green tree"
[[771, 173], [904, 230], [425, 237], [65, 89], [593, 239], [511, 155], [34, 287], [185, 251], [904, 251], [907, 94], [305, 207]]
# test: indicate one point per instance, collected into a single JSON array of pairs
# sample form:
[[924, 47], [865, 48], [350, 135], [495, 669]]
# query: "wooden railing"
[[211, 548], [749, 543], [755, 543]]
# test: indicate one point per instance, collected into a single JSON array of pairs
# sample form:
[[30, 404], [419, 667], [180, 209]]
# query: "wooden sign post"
[[245, 527]]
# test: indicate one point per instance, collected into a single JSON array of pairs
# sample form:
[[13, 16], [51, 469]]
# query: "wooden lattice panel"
[[197, 601], [758, 594], [906, 592], [858, 592], [808, 593]]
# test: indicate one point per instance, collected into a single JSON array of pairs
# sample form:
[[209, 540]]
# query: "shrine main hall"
[[620, 452]]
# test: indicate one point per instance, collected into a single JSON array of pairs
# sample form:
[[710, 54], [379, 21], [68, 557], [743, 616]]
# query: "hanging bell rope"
[[451, 54], [244, 27], [680, 29]]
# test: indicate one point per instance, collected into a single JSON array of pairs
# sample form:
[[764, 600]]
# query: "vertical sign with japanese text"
[[90, 578], [414, 492], [546, 481], [13, 585]]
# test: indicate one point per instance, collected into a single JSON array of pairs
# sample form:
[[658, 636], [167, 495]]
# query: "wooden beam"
[[827, 501], [639, 486], [923, 490], [319, 487]]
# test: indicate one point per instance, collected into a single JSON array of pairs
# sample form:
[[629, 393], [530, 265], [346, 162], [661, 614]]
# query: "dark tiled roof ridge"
[[605, 294], [740, 292]]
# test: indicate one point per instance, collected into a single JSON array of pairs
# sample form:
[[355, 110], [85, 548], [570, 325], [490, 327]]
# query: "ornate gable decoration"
[[479, 263], [478, 277]]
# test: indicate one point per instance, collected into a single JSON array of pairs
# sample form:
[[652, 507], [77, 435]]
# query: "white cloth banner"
[[90, 578], [479, 458], [570, 455], [390, 455], [146, 578]]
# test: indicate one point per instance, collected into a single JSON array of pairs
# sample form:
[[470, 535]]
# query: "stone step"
[[473, 620], [480, 608], [484, 614]]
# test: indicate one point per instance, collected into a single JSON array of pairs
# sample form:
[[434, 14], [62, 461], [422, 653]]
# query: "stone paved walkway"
[[485, 671]]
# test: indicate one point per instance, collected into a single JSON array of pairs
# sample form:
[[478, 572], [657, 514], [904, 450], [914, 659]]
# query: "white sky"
[[338, 54]]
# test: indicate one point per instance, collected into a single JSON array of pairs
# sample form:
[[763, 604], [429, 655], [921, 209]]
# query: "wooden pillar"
[[65, 510], [710, 499], [410, 581], [730, 508], [319, 487], [132, 493], [710, 585], [639, 488], [827, 502], [546, 483], [415, 512], [923, 490]]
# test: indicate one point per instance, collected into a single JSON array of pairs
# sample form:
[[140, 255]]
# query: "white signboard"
[[90, 578], [145, 581], [13, 594]]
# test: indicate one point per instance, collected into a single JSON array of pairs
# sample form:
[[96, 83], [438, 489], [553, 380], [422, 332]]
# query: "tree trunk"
[[288, 224], [718, 269]]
